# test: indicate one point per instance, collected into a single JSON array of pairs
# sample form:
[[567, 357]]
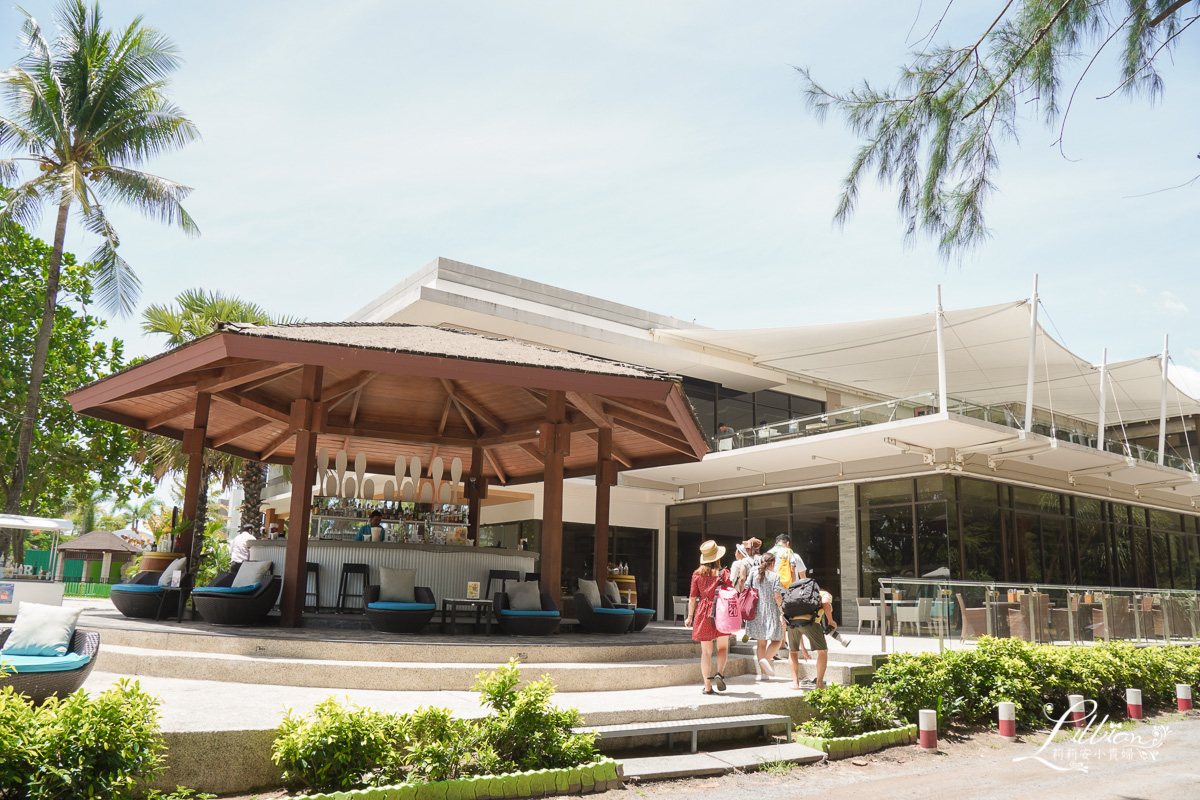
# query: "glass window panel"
[[815, 539], [935, 487], [1165, 521], [767, 505], [933, 539], [815, 500], [1187, 565], [736, 413], [726, 518], [776, 400], [1036, 500], [689, 514], [767, 517], [806, 407], [1123, 571], [873, 494], [1057, 564], [982, 492], [886, 546], [1027, 550], [981, 543], [1161, 559], [1093, 547]]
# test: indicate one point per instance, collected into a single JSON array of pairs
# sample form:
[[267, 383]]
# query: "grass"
[[778, 767]]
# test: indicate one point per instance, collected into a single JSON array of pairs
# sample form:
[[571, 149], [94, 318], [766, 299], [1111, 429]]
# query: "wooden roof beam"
[[643, 407], [495, 462], [590, 406], [463, 399], [394, 433], [532, 450], [640, 429], [186, 407], [273, 446], [238, 431], [617, 453], [185, 381], [241, 374], [261, 406]]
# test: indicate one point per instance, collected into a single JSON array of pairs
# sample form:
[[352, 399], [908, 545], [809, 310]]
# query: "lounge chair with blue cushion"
[[399, 617], [642, 617], [605, 618], [39, 677], [141, 597], [223, 604], [525, 623]]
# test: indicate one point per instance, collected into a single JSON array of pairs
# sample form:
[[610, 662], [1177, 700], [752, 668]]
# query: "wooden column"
[[554, 441], [606, 476], [306, 421], [193, 448], [476, 492]]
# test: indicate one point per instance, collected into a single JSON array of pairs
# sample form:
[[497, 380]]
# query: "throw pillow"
[[251, 573], [613, 593], [524, 597], [177, 564], [41, 630], [591, 591], [397, 585]]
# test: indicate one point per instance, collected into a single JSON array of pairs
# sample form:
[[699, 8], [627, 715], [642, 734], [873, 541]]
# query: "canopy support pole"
[[1162, 409], [193, 448], [306, 416], [476, 492], [943, 404], [1033, 309], [555, 441], [1103, 399], [605, 478]]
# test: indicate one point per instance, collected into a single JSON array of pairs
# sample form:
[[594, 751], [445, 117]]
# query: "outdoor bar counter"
[[445, 569]]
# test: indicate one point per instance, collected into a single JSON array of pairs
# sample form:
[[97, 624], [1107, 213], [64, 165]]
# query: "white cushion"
[[251, 573], [397, 585], [613, 592], [41, 630], [524, 597], [179, 564], [591, 591]]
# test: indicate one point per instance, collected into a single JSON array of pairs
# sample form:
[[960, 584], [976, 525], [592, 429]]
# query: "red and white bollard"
[[1133, 700], [1076, 706], [1183, 696], [1008, 721], [927, 727]]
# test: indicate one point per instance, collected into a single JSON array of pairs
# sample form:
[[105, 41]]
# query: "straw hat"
[[711, 551], [753, 541]]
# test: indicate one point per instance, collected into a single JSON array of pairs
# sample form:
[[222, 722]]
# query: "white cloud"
[[1186, 378], [1173, 304]]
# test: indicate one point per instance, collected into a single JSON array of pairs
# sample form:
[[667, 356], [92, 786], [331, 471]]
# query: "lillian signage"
[[1096, 741]]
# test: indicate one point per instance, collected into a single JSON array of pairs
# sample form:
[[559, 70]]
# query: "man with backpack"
[[805, 608], [789, 565]]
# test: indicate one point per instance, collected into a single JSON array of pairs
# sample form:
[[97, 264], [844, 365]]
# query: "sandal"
[[719, 680], [707, 691]]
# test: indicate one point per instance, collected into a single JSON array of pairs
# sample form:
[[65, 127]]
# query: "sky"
[[655, 154]]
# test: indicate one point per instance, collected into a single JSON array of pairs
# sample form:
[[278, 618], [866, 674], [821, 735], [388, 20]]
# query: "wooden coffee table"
[[452, 604]]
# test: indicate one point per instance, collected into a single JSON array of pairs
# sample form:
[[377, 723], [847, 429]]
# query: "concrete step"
[[395, 675], [717, 762]]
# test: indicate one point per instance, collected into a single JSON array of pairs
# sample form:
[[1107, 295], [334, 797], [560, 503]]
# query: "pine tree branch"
[[974, 49], [1041, 34], [1150, 60], [1071, 101], [1171, 9]]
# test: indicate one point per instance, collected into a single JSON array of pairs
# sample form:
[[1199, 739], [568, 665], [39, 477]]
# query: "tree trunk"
[[253, 479], [37, 371], [200, 521]]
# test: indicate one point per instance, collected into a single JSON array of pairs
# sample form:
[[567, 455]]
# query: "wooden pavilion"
[[512, 411]]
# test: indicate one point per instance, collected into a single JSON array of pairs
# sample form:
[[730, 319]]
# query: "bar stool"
[[363, 571], [533, 577], [314, 569], [502, 575]]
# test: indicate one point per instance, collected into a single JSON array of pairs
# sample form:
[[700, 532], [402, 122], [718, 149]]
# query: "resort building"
[[963, 444]]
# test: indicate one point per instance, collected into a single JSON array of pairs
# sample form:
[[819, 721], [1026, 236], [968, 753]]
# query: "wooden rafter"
[[238, 431], [241, 374], [257, 405], [394, 433], [532, 450], [641, 407], [461, 398], [186, 407], [617, 453], [185, 381], [276, 443], [591, 407], [495, 462], [656, 436]]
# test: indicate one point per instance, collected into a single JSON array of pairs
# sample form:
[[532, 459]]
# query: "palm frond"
[[117, 287], [157, 198]]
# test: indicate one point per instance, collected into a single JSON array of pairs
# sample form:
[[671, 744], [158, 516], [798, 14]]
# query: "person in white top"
[[239, 548]]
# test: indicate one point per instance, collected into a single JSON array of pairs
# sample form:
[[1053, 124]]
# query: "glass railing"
[[959, 612], [923, 404]]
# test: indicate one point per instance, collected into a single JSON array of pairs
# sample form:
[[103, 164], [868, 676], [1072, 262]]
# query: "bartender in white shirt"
[[239, 548]]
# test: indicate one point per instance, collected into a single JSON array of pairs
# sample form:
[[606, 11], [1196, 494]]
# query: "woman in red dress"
[[699, 617]]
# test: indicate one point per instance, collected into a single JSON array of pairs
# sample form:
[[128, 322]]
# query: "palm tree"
[[193, 314], [87, 110]]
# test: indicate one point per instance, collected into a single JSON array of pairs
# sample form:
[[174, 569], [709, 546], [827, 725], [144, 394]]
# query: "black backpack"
[[802, 598]]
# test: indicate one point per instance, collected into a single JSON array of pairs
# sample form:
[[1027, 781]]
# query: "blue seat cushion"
[[644, 610], [143, 588], [616, 612], [402, 606], [508, 612], [25, 664], [227, 589]]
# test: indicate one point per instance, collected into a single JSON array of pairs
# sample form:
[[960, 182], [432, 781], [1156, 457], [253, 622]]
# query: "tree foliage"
[[934, 134], [71, 453]]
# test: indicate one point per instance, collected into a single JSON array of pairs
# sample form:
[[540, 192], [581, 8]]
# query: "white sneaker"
[[763, 678], [766, 667]]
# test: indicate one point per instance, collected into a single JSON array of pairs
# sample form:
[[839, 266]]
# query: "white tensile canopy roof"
[[35, 523], [987, 359]]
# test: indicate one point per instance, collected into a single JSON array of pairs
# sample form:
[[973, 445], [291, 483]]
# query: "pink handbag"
[[727, 613]]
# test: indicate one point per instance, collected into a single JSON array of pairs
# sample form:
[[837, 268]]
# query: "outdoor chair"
[[679, 604], [143, 598], [39, 677], [915, 616], [1120, 618], [525, 623], [1031, 622], [642, 618], [869, 614], [604, 619], [400, 617], [223, 604]]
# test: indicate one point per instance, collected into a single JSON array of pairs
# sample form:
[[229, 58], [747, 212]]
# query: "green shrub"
[[970, 683], [851, 710], [819, 728], [337, 748], [80, 746], [526, 730], [438, 747]]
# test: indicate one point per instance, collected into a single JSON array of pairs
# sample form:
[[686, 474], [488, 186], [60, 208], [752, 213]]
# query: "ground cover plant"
[[338, 748], [105, 745], [966, 685], [849, 711]]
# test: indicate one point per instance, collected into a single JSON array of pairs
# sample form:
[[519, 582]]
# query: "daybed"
[[39, 677]]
